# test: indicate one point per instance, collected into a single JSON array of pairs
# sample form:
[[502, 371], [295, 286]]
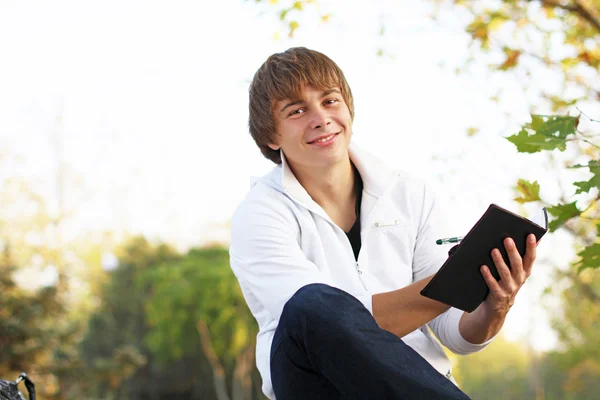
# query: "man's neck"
[[332, 188]]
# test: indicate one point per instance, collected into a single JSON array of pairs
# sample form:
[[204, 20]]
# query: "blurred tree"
[[43, 309], [197, 300], [545, 38], [27, 335], [501, 371], [119, 364]]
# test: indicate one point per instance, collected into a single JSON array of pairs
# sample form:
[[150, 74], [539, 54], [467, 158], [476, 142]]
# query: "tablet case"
[[459, 282]]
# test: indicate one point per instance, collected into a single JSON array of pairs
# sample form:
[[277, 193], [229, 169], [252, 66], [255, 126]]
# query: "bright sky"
[[147, 103]]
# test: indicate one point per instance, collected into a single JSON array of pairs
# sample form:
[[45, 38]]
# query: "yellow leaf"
[[512, 56], [549, 12], [298, 5], [293, 26], [325, 18], [522, 22], [496, 23], [472, 131], [569, 62], [273, 1], [481, 33]]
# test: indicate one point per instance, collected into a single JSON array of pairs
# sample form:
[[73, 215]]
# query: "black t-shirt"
[[354, 232]]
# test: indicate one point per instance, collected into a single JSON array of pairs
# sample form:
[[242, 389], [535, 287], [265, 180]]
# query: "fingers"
[[530, 254], [490, 280], [504, 290], [515, 260], [501, 266]]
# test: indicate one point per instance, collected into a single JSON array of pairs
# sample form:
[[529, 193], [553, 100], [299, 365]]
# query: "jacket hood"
[[376, 176]]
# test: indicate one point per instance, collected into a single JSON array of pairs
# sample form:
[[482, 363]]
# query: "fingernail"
[[531, 238]]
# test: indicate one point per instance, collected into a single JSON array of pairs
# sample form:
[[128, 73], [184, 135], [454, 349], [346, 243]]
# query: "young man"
[[332, 248]]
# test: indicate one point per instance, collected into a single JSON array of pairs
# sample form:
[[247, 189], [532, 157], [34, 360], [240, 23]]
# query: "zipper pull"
[[358, 268]]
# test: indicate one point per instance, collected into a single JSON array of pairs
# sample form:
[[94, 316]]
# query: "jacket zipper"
[[358, 268], [360, 272]]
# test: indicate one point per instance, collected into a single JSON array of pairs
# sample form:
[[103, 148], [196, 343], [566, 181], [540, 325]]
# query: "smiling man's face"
[[313, 130]]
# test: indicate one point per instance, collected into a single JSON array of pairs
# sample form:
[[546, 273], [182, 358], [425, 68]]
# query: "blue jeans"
[[328, 346]]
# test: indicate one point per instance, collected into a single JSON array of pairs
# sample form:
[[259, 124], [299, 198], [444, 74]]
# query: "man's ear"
[[274, 146]]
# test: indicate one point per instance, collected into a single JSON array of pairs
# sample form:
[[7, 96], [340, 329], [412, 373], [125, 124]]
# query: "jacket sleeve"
[[427, 260], [266, 255]]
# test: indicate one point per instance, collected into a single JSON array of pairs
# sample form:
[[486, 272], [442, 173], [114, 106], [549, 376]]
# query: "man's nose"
[[320, 119]]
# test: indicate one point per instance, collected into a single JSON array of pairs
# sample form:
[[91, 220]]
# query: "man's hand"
[[485, 322]]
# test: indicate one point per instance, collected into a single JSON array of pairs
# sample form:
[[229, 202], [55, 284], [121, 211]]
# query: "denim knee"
[[318, 303]]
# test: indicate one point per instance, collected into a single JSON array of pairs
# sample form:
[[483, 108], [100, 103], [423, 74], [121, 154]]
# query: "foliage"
[[42, 315], [145, 337], [288, 11], [541, 38], [26, 332], [501, 371], [554, 133], [195, 298], [572, 28], [117, 362]]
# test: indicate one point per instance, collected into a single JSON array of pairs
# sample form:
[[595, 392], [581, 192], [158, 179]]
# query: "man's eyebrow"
[[328, 92], [293, 103]]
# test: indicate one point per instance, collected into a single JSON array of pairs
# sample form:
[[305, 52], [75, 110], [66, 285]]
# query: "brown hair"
[[282, 77]]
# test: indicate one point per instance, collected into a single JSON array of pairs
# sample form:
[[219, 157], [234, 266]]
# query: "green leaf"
[[563, 213], [594, 182], [527, 143], [544, 133], [553, 126], [283, 14], [590, 257], [530, 191]]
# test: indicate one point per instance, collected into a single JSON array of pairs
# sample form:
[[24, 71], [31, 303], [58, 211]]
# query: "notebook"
[[459, 282]]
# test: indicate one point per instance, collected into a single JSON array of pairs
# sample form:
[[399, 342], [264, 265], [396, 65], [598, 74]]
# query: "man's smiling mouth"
[[323, 139]]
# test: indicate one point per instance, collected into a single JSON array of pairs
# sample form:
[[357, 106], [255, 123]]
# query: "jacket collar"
[[376, 175]]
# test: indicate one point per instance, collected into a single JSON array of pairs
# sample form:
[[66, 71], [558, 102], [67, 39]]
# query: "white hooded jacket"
[[282, 240]]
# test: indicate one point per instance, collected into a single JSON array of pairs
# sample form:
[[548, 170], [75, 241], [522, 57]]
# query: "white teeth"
[[324, 139]]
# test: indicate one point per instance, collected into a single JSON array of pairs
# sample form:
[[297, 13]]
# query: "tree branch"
[[585, 115], [587, 15], [576, 8], [213, 360], [558, 4], [242, 388]]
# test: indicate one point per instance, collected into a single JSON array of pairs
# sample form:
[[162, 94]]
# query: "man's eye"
[[298, 111], [331, 101]]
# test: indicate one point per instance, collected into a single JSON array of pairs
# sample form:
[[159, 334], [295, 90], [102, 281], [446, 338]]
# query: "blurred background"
[[124, 150]]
